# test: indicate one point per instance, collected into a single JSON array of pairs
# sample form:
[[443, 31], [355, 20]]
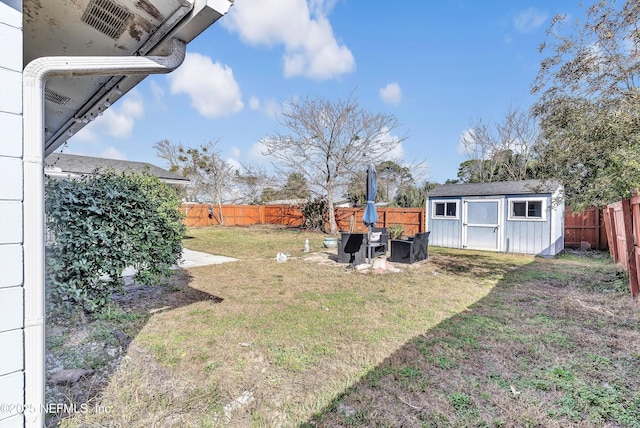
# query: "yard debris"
[[409, 404], [122, 337], [158, 310], [379, 264], [514, 391], [281, 258], [69, 376], [346, 410], [245, 398]]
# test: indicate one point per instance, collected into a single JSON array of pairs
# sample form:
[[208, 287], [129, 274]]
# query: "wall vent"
[[107, 17], [54, 97]]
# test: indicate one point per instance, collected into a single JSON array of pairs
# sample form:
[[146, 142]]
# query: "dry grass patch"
[[278, 342], [462, 339], [555, 344]]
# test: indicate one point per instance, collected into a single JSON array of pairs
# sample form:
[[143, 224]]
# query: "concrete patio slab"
[[191, 258]]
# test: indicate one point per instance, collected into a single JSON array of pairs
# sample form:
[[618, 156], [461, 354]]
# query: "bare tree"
[[504, 152], [211, 176], [249, 184], [394, 177], [170, 152], [327, 141]]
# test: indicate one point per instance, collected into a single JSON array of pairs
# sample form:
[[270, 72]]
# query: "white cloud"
[[85, 134], [256, 152], [311, 49], [117, 121], [391, 94], [272, 108], [269, 107], [235, 164], [529, 20], [398, 151], [254, 103], [235, 152], [213, 90], [465, 136], [156, 90], [112, 153]]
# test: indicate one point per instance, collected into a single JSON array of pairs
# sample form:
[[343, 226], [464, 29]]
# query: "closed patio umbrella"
[[370, 216]]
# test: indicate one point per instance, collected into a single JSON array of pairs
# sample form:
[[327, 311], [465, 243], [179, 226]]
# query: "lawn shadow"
[[533, 352], [96, 343]]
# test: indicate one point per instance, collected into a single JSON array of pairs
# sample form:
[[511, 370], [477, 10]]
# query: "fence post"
[[630, 250], [598, 226], [613, 244]]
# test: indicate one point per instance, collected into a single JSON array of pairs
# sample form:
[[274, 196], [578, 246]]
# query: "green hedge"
[[102, 223]]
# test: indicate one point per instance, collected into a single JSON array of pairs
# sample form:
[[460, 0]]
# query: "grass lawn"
[[462, 339]]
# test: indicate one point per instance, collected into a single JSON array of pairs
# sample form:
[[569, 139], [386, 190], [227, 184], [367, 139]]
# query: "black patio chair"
[[411, 250]]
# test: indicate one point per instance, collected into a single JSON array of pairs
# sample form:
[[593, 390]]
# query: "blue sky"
[[437, 66]]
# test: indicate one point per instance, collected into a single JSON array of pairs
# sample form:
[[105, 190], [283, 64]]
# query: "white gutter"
[[34, 80], [164, 32]]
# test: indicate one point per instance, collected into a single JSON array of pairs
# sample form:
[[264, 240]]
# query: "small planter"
[[330, 242]]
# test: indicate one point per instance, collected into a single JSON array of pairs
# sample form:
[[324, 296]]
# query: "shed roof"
[[67, 165], [495, 188]]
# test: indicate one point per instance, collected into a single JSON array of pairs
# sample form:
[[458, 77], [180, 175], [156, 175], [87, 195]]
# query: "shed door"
[[481, 224]]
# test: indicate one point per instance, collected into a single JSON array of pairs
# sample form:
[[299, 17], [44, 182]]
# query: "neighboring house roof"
[[495, 188], [69, 166], [299, 202], [287, 202]]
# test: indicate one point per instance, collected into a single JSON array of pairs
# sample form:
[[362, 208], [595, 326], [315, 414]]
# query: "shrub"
[[315, 214], [396, 231], [103, 223]]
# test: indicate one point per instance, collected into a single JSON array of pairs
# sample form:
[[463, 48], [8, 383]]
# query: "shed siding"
[[445, 233], [527, 237], [543, 237], [11, 224]]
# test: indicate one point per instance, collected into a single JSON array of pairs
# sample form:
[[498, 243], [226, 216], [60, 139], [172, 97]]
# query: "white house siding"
[[11, 224]]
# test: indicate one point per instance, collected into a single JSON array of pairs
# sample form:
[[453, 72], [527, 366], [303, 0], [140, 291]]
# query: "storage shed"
[[513, 217]]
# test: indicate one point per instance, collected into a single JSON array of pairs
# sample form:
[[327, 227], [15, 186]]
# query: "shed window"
[[526, 209], [445, 209]]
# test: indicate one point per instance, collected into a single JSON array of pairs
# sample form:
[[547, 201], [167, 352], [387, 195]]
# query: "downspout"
[[34, 80]]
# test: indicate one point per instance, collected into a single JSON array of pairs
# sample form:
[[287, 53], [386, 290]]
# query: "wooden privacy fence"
[[412, 219], [579, 227], [198, 215], [622, 222], [587, 226]]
